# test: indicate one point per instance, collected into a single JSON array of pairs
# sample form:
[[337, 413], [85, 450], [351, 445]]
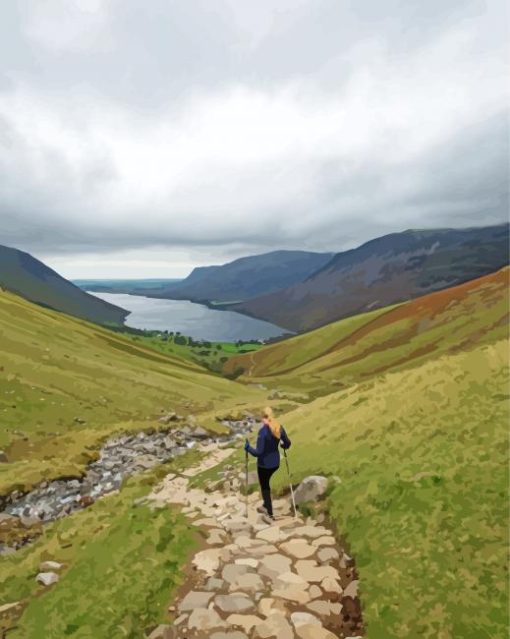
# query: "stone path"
[[287, 580]]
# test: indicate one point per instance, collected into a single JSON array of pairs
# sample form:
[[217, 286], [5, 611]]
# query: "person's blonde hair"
[[273, 424]]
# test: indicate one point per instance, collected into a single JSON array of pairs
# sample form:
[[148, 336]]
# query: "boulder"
[[315, 591], [247, 561], [200, 433], [331, 587], [352, 589], [234, 603], [325, 555], [326, 540], [299, 548], [205, 619], [312, 631], [302, 618], [275, 626], [195, 599], [47, 578], [231, 572], [320, 607], [292, 593], [309, 570], [271, 534], [274, 565], [3, 457], [290, 579], [29, 522], [207, 561], [310, 489], [214, 584], [249, 582]]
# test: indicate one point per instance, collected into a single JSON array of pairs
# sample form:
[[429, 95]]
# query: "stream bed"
[[119, 458]]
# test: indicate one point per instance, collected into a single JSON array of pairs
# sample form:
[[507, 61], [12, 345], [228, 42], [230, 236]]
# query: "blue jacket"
[[266, 452]]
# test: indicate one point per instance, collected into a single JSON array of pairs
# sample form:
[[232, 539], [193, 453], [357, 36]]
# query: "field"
[[122, 561], [393, 338], [66, 384], [212, 355]]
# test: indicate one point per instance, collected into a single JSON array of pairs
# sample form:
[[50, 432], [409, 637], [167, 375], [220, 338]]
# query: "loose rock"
[[195, 599], [47, 578], [310, 489]]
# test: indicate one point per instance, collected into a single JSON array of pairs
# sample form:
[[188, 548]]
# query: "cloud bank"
[[139, 139]]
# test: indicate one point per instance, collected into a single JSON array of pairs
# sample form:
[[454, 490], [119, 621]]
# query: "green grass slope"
[[395, 337], [122, 564], [66, 384], [423, 500]]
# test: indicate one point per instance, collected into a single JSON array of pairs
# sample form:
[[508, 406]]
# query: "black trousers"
[[265, 475]]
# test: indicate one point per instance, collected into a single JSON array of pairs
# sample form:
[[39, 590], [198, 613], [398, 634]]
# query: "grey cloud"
[[142, 69]]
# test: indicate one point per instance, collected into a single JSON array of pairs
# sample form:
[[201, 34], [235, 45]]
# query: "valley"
[[402, 409]]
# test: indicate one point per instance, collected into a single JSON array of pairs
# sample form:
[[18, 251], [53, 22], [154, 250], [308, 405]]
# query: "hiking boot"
[[262, 510], [268, 519]]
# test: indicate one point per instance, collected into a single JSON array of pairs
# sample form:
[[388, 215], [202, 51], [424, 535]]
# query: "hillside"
[[384, 271], [66, 384], [413, 439], [391, 338], [421, 456], [246, 277], [23, 274]]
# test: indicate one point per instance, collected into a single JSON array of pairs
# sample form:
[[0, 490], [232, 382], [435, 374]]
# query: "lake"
[[193, 320]]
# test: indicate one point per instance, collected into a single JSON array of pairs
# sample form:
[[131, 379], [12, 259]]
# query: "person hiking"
[[270, 435]]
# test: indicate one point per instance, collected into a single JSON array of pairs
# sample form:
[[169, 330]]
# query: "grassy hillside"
[[206, 353], [122, 561], [422, 457], [65, 384], [393, 338]]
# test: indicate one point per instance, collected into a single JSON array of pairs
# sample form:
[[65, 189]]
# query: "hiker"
[[271, 433]]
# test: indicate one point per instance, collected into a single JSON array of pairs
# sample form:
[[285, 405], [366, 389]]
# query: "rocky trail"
[[288, 580]]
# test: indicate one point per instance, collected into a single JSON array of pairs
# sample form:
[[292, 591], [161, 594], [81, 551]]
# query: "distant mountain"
[[389, 269], [28, 277], [246, 277]]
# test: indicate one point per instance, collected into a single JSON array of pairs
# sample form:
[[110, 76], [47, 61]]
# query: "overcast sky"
[[140, 138]]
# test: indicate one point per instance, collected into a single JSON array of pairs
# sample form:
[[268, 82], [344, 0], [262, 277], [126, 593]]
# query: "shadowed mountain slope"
[[246, 277], [26, 276], [384, 271]]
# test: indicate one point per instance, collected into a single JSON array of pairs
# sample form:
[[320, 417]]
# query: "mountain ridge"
[[246, 276], [383, 271], [25, 275]]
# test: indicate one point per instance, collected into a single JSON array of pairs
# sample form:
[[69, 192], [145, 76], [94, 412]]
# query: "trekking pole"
[[290, 481], [246, 477]]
